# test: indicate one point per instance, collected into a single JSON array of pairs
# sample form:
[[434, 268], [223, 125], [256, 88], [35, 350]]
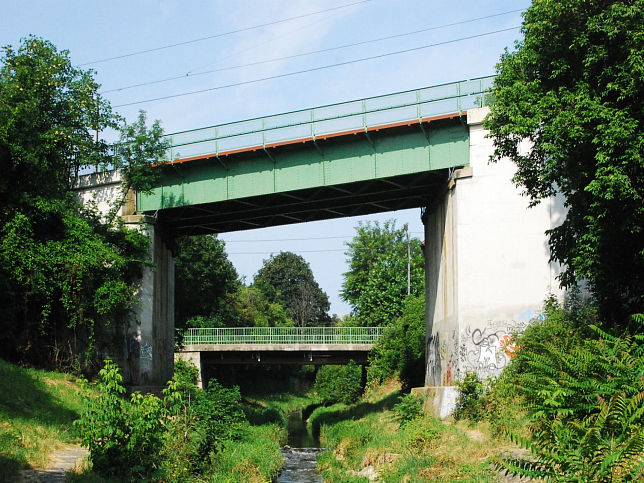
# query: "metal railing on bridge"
[[282, 335], [408, 106]]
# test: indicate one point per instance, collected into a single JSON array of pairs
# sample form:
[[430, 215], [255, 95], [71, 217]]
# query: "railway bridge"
[[487, 263]]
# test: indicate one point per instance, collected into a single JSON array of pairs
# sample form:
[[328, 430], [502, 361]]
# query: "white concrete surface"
[[488, 269]]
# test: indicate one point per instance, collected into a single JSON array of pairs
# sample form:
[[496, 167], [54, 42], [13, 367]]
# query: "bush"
[[409, 408], [147, 437], [400, 351], [339, 383], [124, 439], [201, 423], [470, 401], [585, 396]]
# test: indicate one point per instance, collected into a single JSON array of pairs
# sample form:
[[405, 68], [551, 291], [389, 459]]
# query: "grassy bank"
[[368, 439], [37, 409]]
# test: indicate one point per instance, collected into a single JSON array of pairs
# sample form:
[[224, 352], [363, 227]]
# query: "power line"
[[301, 239], [294, 251], [222, 34], [314, 69], [312, 52]]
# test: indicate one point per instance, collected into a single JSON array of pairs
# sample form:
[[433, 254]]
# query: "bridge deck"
[[277, 347]]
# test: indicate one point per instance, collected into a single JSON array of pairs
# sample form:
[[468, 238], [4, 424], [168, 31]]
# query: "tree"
[[68, 279], [49, 111], [400, 351], [376, 284], [136, 154], [205, 282], [287, 278], [573, 89], [254, 310]]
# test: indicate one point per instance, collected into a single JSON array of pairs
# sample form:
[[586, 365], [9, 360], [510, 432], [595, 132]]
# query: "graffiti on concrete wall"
[[433, 369], [146, 351], [485, 352], [442, 356], [489, 347]]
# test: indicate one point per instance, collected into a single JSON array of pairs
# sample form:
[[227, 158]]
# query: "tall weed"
[[585, 398]]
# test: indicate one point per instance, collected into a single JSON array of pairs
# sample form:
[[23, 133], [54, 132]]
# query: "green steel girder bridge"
[[281, 345], [354, 158]]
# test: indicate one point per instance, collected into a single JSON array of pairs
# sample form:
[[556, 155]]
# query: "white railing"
[[282, 335]]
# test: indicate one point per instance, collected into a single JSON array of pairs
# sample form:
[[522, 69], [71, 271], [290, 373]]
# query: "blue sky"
[[97, 30]]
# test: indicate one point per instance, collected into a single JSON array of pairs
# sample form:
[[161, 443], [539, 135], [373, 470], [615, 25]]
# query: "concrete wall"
[[153, 321], [487, 264], [103, 190]]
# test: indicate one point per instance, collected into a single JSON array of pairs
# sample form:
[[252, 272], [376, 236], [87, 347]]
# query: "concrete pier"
[[487, 266]]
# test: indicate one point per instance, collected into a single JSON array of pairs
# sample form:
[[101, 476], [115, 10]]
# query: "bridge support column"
[[487, 269], [150, 347], [193, 357]]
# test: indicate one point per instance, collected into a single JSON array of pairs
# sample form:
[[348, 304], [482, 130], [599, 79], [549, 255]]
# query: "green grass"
[[366, 437], [37, 409]]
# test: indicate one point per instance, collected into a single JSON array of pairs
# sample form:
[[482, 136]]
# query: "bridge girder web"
[[397, 168], [353, 199]]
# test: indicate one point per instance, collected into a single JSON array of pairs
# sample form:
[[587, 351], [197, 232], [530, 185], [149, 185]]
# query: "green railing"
[[413, 105], [283, 335]]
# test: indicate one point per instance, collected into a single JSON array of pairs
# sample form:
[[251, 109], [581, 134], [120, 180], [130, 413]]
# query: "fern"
[[586, 397]]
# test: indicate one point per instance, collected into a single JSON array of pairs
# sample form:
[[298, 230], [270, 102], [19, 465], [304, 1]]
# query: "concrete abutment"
[[487, 269]]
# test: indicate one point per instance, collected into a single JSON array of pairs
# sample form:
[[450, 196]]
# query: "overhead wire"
[[222, 34], [188, 75], [315, 69], [301, 239]]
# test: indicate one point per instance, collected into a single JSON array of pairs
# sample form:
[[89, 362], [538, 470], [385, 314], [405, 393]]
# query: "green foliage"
[[205, 281], [376, 284], [286, 278], [48, 112], [172, 439], [585, 397], [409, 408], [137, 154], [124, 439], [71, 278], [68, 280], [470, 401], [422, 449], [255, 310], [400, 352], [339, 383], [572, 88], [256, 458]]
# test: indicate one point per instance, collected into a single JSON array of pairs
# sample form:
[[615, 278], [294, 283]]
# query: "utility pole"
[[408, 261]]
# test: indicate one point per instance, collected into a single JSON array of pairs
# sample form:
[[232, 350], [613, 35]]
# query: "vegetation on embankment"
[[37, 409], [189, 434], [387, 434]]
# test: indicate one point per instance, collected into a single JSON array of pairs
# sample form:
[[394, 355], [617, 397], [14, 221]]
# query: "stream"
[[300, 455]]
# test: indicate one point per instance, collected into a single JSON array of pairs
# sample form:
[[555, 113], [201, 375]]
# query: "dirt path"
[[62, 460]]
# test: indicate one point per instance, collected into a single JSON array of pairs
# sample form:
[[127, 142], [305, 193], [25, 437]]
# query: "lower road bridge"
[[278, 345]]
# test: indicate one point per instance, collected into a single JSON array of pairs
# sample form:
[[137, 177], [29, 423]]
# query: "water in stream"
[[300, 456]]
